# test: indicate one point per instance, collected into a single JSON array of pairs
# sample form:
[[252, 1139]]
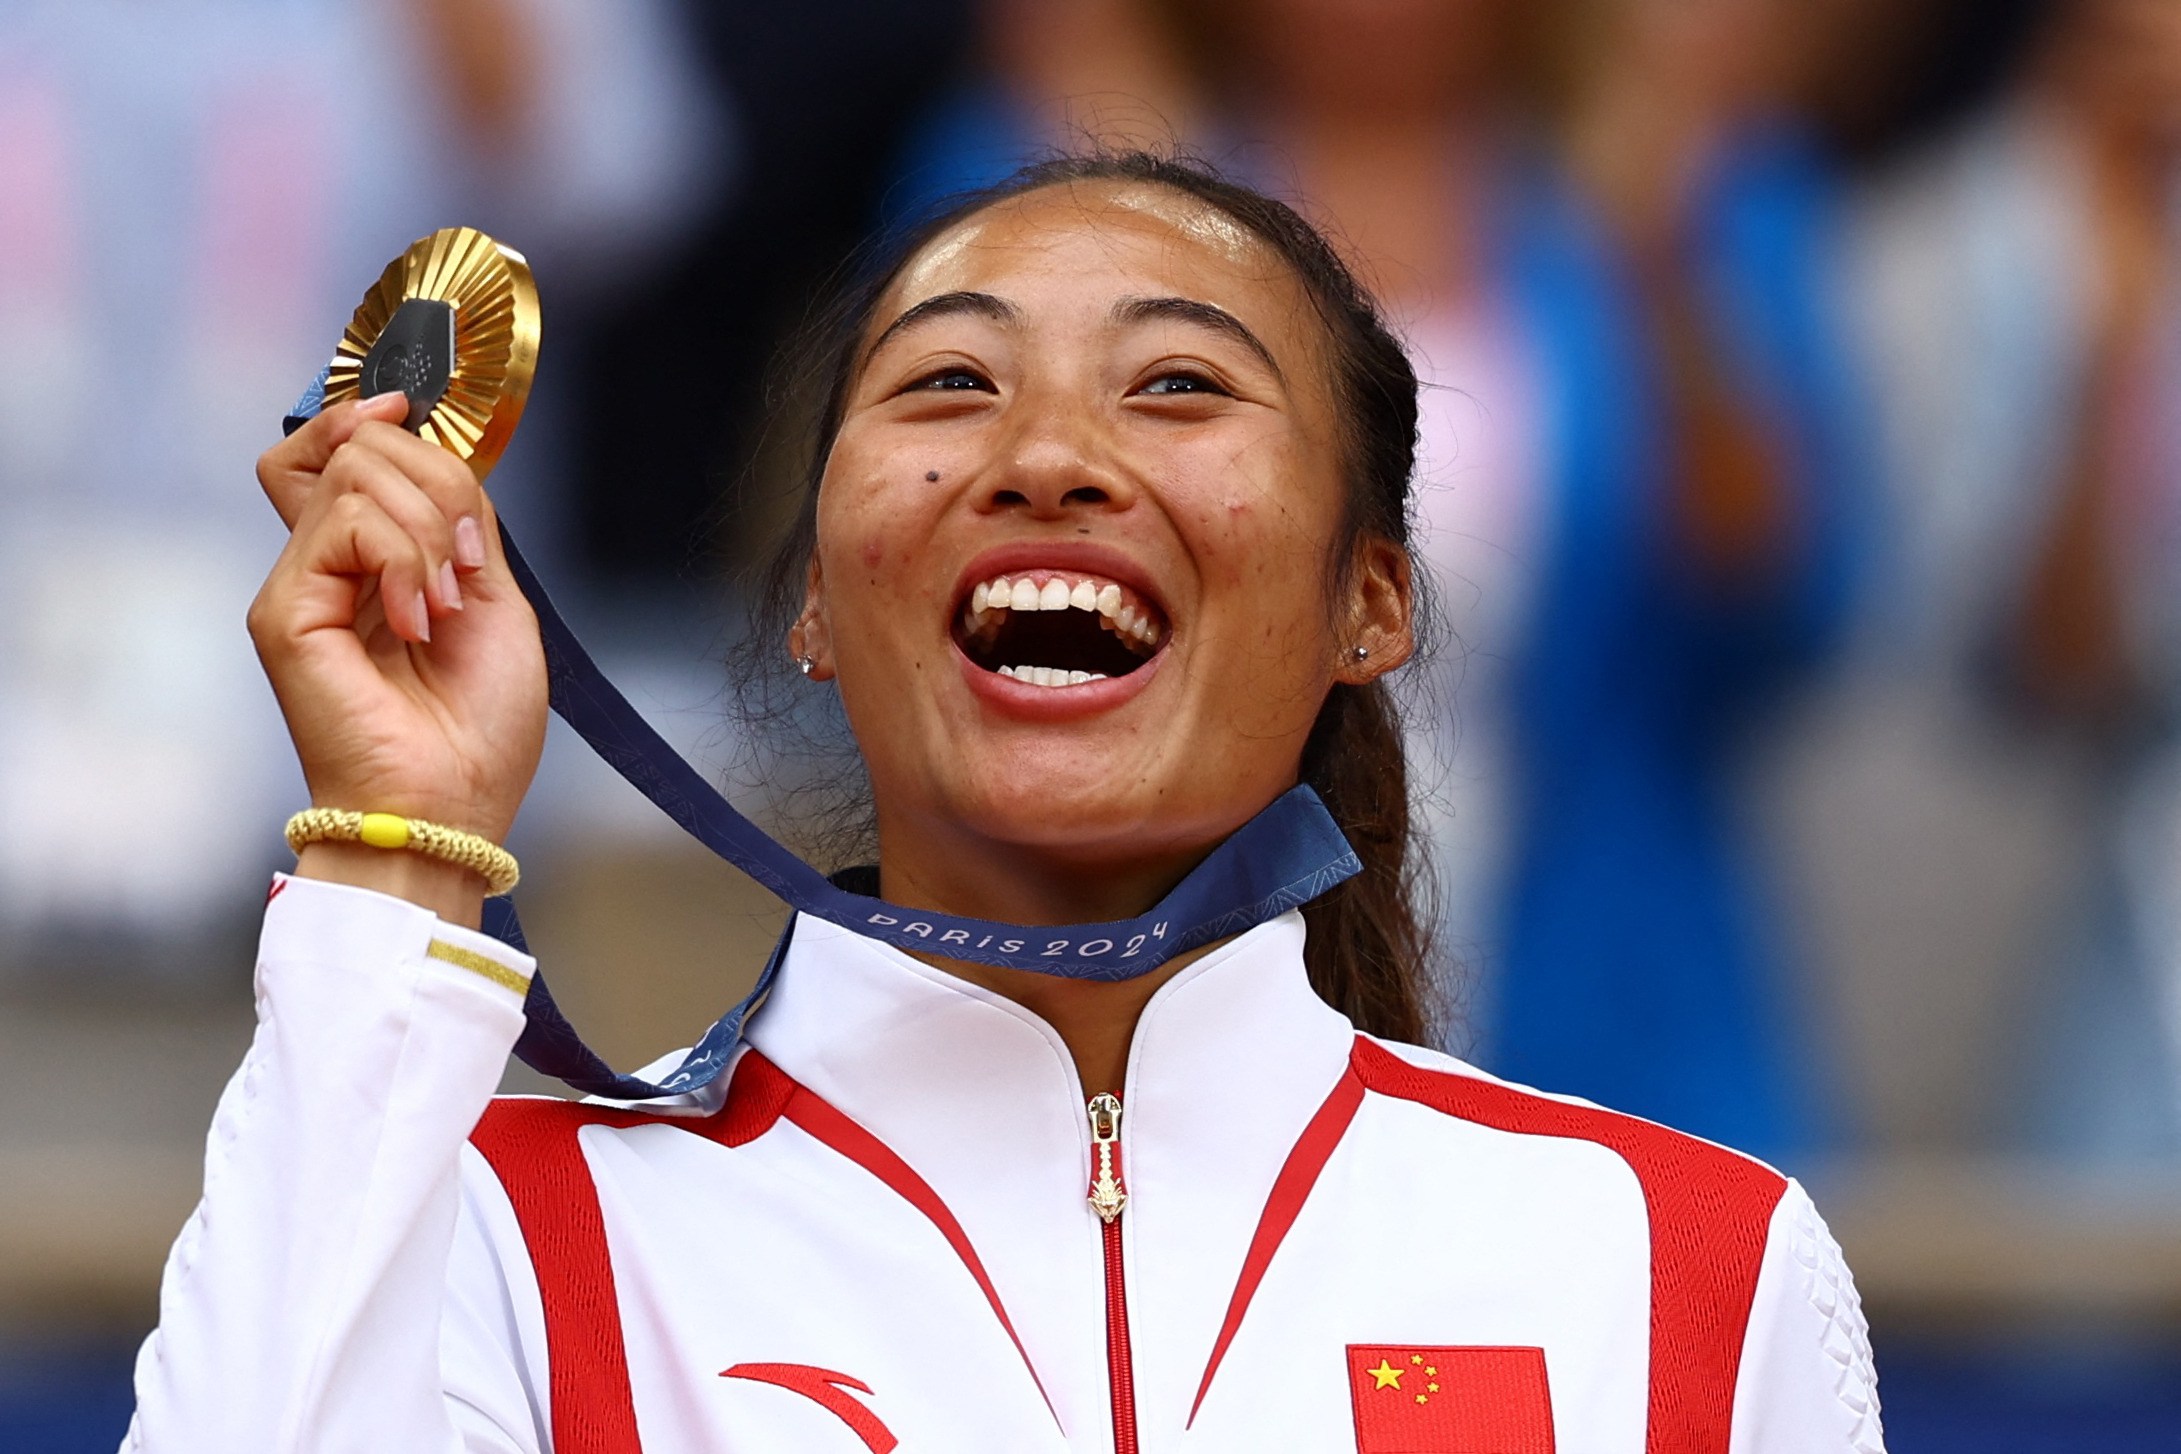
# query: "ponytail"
[[1367, 943]]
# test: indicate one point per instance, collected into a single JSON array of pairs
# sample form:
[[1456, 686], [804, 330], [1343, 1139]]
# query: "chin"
[[1065, 804], [1072, 808]]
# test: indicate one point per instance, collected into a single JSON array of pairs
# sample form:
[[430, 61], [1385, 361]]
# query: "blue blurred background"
[[1801, 492]]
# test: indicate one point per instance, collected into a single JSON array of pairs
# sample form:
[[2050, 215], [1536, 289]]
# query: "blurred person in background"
[[192, 197], [1051, 75], [1640, 497], [1705, 569], [2004, 782]]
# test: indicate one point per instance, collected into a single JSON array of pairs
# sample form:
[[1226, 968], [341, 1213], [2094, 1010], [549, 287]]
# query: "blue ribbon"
[[1287, 855]]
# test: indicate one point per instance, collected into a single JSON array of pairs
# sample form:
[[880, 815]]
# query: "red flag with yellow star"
[[1412, 1400]]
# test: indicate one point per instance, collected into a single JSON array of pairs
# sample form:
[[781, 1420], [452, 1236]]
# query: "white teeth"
[[1127, 622], [1023, 594], [1051, 676], [1116, 613]]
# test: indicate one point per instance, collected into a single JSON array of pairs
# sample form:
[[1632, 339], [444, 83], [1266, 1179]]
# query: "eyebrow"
[[947, 305], [1203, 315]]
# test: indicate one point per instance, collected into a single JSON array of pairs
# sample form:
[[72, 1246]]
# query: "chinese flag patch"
[[1412, 1400]]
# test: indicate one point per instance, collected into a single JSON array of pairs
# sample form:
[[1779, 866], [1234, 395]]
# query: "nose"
[[1055, 463]]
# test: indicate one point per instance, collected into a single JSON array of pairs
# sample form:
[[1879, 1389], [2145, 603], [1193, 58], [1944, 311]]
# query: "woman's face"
[[1073, 537]]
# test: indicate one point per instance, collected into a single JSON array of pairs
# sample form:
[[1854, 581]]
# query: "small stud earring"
[[806, 663], [1363, 653]]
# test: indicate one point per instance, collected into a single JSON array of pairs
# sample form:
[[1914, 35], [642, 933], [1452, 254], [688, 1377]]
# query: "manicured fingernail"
[[424, 619], [450, 591], [469, 542], [377, 399]]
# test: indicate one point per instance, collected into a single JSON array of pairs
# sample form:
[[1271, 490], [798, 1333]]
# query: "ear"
[[1380, 614], [812, 635]]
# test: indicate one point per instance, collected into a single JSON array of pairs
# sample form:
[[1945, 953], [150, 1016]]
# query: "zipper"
[[1108, 1197]]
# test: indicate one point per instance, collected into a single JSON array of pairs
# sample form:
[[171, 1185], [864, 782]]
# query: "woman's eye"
[[1181, 383], [952, 380]]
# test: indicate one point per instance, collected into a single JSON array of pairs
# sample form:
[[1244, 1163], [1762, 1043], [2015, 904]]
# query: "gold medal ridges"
[[495, 338]]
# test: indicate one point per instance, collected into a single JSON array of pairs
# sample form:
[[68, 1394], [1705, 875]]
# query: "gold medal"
[[452, 323]]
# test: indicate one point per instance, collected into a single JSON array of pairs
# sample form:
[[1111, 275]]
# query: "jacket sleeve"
[[307, 1304], [1807, 1384]]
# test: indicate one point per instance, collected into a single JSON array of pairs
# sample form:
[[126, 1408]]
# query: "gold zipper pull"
[[1107, 1194]]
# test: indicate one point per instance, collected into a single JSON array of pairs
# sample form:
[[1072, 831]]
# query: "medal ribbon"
[[1287, 855]]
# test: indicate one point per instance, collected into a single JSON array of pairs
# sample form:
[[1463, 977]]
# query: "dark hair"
[[1369, 942]]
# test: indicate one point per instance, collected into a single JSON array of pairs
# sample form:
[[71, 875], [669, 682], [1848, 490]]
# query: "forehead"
[[1086, 243]]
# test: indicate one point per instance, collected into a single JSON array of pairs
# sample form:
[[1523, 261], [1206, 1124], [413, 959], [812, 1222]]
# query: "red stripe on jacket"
[[1709, 1208], [1711, 1215], [533, 1148]]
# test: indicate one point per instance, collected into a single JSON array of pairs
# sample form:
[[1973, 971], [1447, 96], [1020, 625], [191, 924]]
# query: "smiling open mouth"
[[1053, 628]]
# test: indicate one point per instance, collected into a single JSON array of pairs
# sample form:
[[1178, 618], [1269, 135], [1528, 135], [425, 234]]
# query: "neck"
[[1017, 885]]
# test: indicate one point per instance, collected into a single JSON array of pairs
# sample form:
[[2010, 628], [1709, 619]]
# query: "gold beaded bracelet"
[[481, 856]]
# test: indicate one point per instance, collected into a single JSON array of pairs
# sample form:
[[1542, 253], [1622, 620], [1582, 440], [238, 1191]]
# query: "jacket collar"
[[1230, 1060], [923, 1059]]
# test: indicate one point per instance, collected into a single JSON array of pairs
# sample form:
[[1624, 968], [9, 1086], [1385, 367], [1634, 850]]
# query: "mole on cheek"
[[932, 476]]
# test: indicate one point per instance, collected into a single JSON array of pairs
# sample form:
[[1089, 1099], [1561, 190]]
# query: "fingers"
[[360, 470], [412, 487], [345, 540], [288, 471], [425, 490], [445, 480]]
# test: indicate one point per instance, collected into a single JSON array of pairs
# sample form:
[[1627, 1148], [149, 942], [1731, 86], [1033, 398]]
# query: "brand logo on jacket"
[[1416, 1400], [827, 1389]]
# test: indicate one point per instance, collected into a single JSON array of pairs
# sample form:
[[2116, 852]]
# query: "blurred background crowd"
[[1800, 490]]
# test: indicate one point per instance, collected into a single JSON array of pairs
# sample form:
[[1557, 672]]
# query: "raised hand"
[[404, 657]]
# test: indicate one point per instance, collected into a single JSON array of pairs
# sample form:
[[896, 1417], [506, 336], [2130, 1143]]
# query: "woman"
[[917, 1213]]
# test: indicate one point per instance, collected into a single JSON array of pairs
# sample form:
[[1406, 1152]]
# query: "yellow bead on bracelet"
[[384, 830], [481, 856]]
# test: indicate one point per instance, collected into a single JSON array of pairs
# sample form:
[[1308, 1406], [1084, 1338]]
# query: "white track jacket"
[[896, 1224]]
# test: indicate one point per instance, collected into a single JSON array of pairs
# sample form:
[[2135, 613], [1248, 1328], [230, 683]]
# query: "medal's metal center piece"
[[452, 323], [415, 354]]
